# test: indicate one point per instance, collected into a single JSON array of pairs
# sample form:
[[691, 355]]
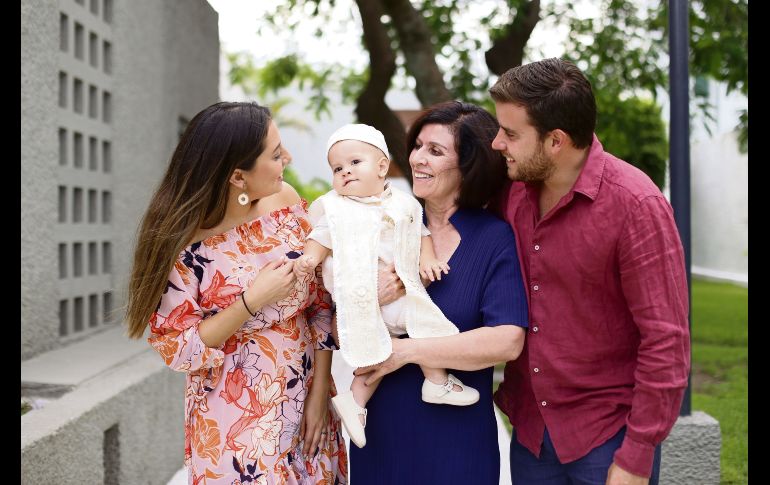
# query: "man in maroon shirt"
[[602, 375]]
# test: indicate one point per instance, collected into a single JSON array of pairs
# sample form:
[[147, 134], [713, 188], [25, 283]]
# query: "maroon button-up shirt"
[[608, 343]]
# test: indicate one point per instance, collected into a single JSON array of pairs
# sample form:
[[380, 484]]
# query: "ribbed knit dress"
[[413, 442]]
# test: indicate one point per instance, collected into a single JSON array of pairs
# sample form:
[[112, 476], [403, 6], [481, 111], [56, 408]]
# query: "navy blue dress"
[[409, 441]]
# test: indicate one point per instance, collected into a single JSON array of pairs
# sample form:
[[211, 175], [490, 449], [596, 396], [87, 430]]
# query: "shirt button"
[[536, 287], [543, 403], [536, 369], [535, 329], [537, 247]]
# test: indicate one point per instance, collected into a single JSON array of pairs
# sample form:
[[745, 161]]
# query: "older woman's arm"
[[500, 336], [472, 350]]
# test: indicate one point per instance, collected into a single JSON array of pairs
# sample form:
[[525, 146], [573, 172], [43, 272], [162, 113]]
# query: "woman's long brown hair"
[[192, 195]]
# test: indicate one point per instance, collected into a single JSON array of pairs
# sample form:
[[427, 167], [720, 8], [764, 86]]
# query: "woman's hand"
[[389, 285], [315, 414], [274, 282], [397, 359]]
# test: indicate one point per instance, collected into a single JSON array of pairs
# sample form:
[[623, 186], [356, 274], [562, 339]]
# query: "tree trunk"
[[418, 49], [508, 51], [370, 105]]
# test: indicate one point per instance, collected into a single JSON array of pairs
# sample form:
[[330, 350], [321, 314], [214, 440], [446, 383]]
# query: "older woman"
[[455, 171]]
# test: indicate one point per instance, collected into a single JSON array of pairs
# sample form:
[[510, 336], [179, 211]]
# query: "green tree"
[[632, 129], [719, 37], [626, 50], [309, 191], [428, 44]]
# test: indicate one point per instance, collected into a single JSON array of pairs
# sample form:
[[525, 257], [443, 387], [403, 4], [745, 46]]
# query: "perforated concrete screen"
[[84, 230]]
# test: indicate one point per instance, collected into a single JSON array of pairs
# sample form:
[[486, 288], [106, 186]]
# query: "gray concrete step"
[[55, 372]]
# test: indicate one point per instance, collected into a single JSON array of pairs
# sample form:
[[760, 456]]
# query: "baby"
[[363, 224]]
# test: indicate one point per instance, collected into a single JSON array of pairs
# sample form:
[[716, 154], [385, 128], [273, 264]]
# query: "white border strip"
[[726, 276]]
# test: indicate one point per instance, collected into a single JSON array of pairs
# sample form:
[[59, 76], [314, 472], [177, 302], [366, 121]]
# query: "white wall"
[[718, 190], [720, 217]]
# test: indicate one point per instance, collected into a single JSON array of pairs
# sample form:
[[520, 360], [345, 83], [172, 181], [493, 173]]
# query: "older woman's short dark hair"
[[483, 169]]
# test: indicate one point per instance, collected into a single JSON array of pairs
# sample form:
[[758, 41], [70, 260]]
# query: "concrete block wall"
[[96, 73], [122, 426], [106, 86], [39, 86]]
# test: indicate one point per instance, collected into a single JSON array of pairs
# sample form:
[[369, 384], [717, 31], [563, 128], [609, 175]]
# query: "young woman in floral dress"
[[212, 276]]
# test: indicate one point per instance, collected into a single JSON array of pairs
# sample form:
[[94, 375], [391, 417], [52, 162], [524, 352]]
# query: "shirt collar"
[[374, 199], [590, 177]]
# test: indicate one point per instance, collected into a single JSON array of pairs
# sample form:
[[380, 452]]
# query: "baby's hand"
[[305, 265], [431, 269]]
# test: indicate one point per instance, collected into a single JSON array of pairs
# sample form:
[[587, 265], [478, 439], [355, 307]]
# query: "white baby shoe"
[[445, 393], [348, 410]]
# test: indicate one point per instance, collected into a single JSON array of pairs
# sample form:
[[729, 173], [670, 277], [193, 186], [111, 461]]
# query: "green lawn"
[[720, 335]]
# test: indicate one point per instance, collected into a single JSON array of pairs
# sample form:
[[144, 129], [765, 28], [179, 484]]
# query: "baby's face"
[[358, 168]]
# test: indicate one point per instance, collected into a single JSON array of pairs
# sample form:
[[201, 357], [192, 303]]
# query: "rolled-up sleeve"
[[654, 284], [174, 326]]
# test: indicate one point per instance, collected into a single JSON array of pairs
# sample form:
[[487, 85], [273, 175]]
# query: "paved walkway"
[[343, 375]]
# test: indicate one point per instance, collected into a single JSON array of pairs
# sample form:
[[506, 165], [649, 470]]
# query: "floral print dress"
[[244, 400]]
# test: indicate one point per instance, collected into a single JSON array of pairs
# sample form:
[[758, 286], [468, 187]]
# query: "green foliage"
[[276, 106], [633, 130], [727, 402], [281, 72], [320, 79], [722, 313], [622, 59], [453, 48], [618, 50], [623, 51], [352, 84], [743, 131], [719, 37], [309, 191], [457, 49]]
